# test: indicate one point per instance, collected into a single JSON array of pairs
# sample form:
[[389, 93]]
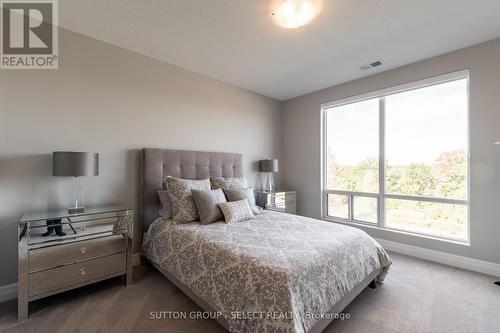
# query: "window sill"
[[397, 231]]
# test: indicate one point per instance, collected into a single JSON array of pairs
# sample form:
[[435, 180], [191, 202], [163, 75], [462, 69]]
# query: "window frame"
[[382, 195]]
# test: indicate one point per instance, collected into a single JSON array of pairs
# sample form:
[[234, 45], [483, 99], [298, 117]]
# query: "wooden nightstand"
[[97, 246], [281, 201]]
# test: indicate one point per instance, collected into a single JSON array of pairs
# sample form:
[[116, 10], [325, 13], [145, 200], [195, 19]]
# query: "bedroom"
[[401, 154]]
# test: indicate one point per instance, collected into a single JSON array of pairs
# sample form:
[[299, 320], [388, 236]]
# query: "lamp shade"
[[269, 165], [75, 164]]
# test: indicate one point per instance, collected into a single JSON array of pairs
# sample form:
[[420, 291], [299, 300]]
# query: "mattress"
[[275, 273]]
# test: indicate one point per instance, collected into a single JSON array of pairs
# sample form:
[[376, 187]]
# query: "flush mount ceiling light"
[[293, 14]]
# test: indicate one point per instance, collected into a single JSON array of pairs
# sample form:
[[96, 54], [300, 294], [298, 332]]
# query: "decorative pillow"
[[179, 191], [236, 211], [239, 194], [166, 205], [207, 202], [221, 182]]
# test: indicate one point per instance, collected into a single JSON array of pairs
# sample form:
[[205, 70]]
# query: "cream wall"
[[108, 100], [301, 144]]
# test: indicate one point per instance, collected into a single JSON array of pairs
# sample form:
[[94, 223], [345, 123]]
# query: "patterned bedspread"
[[275, 273]]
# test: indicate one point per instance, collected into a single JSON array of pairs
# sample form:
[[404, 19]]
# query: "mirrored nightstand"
[[97, 245], [280, 201]]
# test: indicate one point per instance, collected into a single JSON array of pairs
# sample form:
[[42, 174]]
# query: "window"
[[398, 159]]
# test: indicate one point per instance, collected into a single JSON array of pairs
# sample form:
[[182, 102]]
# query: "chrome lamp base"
[[76, 203], [269, 185]]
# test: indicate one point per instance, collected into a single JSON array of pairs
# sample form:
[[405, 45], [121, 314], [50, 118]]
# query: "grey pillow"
[[236, 211], [207, 202], [221, 182], [242, 194], [166, 205], [179, 192]]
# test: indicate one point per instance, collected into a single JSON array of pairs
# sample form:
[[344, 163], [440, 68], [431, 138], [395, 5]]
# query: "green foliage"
[[450, 167], [362, 177], [444, 178]]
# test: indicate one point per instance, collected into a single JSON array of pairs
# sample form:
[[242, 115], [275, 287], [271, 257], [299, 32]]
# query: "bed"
[[276, 273]]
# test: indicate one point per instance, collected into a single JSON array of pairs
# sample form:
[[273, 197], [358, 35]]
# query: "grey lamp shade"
[[75, 164], [269, 165]]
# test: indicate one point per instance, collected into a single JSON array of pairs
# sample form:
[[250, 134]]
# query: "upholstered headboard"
[[158, 163]]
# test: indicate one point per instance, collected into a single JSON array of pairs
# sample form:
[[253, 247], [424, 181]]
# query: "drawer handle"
[[83, 250], [83, 271], [83, 228]]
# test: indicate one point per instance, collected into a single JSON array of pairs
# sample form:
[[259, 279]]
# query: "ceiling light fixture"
[[293, 14]]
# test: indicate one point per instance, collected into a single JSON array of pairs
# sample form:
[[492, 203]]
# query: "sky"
[[420, 125]]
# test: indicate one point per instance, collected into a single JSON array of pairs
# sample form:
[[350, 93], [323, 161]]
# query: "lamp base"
[[76, 203], [269, 185], [76, 210]]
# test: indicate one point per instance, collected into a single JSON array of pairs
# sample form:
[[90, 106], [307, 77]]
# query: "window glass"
[[365, 209], [352, 147], [425, 171], [426, 141], [432, 218], [338, 206]]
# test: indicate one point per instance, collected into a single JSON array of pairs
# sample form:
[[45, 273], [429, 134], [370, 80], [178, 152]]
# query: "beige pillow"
[[234, 183], [207, 204], [179, 191], [236, 211]]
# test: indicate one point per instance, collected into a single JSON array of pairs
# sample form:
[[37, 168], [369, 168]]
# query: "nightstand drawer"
[[54, 256], [79, 273], [100, 225], [83, 228], [281, 198], [290, 208], [280, 201]]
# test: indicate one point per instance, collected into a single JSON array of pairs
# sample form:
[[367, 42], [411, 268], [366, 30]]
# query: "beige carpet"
[[418, 296]]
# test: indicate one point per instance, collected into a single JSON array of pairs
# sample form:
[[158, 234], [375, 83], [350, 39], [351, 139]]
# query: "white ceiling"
[[237, 42]]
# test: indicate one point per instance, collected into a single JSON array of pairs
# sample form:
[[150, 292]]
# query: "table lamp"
[[269, 166], [75, 164]]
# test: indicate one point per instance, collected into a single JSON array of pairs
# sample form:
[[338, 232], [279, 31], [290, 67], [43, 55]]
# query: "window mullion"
[[324, 162], [350, 205], [381, 134]]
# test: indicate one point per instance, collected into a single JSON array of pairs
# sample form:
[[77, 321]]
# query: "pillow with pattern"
[[236, 211], [179, 191], [233, 183]]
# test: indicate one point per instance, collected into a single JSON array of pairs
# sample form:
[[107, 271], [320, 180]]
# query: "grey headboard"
[[158, 163]]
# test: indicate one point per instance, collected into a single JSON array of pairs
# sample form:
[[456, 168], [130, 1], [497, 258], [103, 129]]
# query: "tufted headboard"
[[158, 163]]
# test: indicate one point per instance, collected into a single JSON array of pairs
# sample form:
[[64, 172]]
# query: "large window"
[[398, 158]]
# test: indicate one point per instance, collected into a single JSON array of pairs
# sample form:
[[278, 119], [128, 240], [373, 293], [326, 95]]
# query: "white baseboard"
[[8, 292], [454, 260]]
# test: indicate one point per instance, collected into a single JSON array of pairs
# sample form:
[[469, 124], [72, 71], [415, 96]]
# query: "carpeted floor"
[[418, 296]]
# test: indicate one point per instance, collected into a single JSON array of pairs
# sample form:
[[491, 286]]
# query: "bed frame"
[[158, 163]]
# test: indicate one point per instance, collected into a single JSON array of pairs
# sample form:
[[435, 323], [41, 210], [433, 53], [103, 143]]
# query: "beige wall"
[[301, 143], [108, 100]]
